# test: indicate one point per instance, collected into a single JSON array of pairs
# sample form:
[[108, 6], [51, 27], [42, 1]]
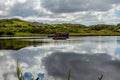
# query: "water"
[[87, 57]]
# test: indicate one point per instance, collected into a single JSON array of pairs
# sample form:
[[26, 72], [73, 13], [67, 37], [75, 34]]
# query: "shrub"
[[1, 32], [10, 33]]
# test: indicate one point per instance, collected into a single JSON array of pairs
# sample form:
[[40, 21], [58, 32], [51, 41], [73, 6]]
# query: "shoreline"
[[74, 34]]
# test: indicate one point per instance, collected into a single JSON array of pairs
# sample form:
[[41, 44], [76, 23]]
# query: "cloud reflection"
[[84, 66], [88, 57]]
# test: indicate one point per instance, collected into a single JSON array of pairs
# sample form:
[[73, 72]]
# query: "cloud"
[[22, 8], [84, 66], [62, 11], [5, 6], [66, 6], [90, 56], [9, 75]]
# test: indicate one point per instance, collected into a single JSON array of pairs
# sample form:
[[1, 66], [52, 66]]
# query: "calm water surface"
[[88, 57]]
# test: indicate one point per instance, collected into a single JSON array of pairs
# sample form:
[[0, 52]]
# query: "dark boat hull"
[[59, 38]]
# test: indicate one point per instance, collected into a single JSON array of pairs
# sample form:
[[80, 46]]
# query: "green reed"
[[19, 72]]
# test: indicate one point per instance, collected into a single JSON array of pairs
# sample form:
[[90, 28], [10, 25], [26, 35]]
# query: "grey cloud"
[[8, 75], [23, 9], [84, 66], [66, 6], [2, 7], [26, 9]]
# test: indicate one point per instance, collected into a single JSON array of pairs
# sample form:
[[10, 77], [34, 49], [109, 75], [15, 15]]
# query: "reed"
[[69, 75], [19, 72], [100, 78]]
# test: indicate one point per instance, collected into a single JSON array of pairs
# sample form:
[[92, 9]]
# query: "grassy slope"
[[18, 27]]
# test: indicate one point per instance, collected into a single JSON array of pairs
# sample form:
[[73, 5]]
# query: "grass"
[[20, 74], [96, 33], [100, 78], [29, 34], [69, 75]]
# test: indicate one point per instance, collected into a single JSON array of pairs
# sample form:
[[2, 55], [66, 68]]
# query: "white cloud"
[[62, 11], [22, 1]]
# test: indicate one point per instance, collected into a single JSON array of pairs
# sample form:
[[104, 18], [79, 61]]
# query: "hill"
[[17, 27]]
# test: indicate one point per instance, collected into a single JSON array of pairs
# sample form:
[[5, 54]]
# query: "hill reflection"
[[15, 44]]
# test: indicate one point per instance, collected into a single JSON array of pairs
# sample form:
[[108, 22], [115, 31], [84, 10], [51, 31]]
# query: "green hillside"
[[17, 27]]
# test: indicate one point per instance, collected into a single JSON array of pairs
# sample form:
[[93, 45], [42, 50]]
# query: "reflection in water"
[[118, 46], [84, 66], [88, 57], [16, 44]]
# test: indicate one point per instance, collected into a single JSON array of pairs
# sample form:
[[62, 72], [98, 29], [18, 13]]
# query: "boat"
[[60, 36]]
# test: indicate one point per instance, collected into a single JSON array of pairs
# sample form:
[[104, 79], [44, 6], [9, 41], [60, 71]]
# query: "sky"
[[86, 12]]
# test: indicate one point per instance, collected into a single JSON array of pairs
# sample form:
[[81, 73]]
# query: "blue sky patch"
[[117, 12], [117, 51]]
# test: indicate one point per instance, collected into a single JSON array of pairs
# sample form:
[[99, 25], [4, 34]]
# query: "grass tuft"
[[19, 72], [69, 75], [100, 78]]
